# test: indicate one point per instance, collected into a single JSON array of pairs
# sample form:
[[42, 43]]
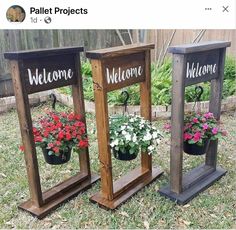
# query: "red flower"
[[38, 139], [60, 135], [22, 148], [77, 117], [68, 136], [50, 145], [58, 143], [45, 134], [71, 116], [83, 143], [56, 149], [55, 118], [197, 136], [79, 124]]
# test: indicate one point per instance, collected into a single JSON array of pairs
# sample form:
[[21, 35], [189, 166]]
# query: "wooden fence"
[[12, 40]]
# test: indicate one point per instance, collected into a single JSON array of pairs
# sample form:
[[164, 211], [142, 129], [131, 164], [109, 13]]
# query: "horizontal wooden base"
[[54, 197], [127, 186], [202, 183]]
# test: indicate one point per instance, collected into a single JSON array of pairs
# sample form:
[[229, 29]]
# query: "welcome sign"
[[49, 73], [201, 67], [47, 69], [123, 71]]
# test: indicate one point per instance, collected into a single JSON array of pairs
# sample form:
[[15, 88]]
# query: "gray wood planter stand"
[[51, 68], [190, 63]]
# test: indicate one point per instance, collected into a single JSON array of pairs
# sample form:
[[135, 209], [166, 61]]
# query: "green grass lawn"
[[213, 208]]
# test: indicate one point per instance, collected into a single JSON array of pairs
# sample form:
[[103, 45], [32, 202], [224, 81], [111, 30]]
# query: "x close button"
[[225, 9]]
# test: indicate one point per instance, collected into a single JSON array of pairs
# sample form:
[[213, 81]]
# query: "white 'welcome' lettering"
[[117, 75], [48, 77]]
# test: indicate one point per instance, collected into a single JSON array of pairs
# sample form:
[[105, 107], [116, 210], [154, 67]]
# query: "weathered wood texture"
[[184, 188], [13, 40]]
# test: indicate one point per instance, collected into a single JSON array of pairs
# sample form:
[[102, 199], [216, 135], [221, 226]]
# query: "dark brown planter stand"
[[183, 188], [135, 58], [24, 67]]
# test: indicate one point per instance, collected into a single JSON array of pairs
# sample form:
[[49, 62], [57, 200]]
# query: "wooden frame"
[[183, 188], [23, 64], [106, 66]]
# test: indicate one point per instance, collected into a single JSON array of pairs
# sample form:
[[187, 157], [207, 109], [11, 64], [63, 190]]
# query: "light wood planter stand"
[[107, 64]]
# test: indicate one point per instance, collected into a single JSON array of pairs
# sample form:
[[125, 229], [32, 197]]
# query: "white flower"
[[123, 132], [122, 127], [151, 148], [131, 120], [147, 137], [155, 135], [128, 137], [134, 138], [114, 143]]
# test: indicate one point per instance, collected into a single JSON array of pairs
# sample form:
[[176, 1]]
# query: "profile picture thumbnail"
[[15, 13]]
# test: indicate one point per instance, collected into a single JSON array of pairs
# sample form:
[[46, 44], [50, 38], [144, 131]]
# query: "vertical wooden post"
[[145, 106], [102, 121], [23, 109], [215, 107], [177, 121], [113, 69], [78, 100]]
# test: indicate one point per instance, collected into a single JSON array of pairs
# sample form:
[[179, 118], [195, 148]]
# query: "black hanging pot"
[[194, 149], [124, 156], [62, 158]]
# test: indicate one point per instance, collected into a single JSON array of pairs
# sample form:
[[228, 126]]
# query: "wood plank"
[[103, 136], [79, 108], [38, 53], [194, 190], [41, 212], [198, 47], [146, 106], [123, 197], [25, 121], [119, 51], [129, 180], [177, 122], [215, 107], [57, 190]]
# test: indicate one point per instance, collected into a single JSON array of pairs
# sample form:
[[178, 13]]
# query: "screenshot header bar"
[[122, 14]]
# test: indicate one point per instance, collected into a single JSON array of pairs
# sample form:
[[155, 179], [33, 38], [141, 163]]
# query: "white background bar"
[[124, 14]]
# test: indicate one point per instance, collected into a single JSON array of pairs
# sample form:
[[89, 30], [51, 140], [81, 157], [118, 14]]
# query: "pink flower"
[[224, 133], [208, 115], [195, 120], [187, 136], [214, 131], [197, 136], [205, 126], [167, 126]]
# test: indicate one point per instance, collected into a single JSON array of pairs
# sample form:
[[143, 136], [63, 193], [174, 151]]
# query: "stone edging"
[[228, 104], [8, 103], [164, 112]]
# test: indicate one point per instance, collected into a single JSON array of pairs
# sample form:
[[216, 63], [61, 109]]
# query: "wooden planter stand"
[[107, 67], [207, 62], [25, 66]]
